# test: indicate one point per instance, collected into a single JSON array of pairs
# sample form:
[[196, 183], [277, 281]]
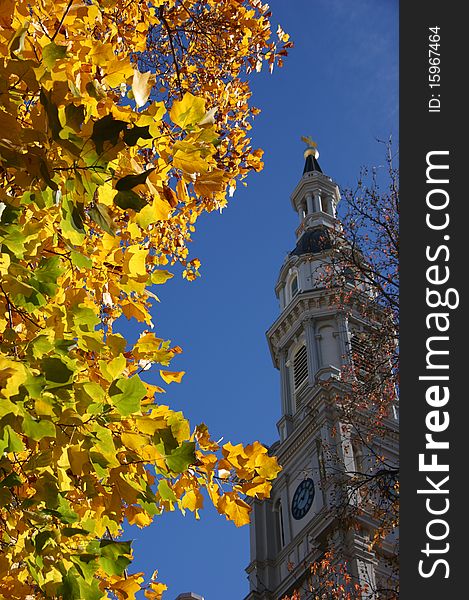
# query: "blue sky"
[[340, 86]]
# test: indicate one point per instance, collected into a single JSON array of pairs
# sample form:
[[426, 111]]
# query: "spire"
[[315, 200], [311, 164], [311, 155]]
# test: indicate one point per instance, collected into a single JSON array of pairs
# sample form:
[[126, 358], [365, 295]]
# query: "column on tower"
[[328, 205], [317, 202], [343, 335]]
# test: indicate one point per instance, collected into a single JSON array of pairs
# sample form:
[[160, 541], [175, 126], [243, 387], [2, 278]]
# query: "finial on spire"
[[311, 155], [312, 147]]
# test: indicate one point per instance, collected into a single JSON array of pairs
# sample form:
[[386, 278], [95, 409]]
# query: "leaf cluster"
[[109, 153]]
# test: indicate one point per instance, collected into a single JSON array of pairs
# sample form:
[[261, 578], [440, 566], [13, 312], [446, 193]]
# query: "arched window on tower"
[[291, 286], [280, 530], [300, 367], [294, 287]]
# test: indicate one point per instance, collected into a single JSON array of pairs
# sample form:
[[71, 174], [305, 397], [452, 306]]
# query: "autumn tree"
[[121, 123], [327, 578], [364, 272]]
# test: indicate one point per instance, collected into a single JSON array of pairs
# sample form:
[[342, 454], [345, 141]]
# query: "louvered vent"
[[300, 367], [360, 353]]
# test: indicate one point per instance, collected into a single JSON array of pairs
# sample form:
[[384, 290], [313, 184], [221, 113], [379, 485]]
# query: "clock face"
[[302, 499]]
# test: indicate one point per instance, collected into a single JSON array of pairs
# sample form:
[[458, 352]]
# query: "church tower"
[[311, 343]]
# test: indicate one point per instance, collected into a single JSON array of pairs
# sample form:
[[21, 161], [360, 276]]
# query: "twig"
[[173, 52], [62, 20]]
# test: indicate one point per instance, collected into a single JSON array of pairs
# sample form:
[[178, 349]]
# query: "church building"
[[311, 342]]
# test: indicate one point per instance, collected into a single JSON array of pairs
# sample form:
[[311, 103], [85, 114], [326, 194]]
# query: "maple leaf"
[[188, 112], [234, 509]]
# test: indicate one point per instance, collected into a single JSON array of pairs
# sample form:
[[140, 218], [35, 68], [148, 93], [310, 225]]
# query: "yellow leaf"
[[267, 466], [170, 376], [214, 493], [152, 348], [109, 241], [132, 310], [193, 500], [234, 509], [106, 195], [113, 369], [155, 591], [117, 72], [190, 163], [210, 183], [234, 454], [203, 438], [4, 263], [78, 458], [127, 588], [126, 491], [257, 488], [188, 111], [65, 483], [133, 441], [258, 459], [12, 376], [43, 405], [160, 276], [149, 424], [101, 54], [157, 210], [181, 190], [151, 116], [134, 231], [137, 516], [135, 261], [207, 463], [151, 454], [142, 84]]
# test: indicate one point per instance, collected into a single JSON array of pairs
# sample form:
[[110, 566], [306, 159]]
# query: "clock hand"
[[300, 498], [304, 498]]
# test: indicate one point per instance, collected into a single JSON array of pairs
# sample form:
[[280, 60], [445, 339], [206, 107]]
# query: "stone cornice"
[[308, 426], [316, 304]]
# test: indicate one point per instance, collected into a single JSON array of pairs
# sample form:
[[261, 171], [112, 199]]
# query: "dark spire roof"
[[313, 241], [311, 164]]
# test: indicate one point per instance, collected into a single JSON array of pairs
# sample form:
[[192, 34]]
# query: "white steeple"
[[315, 200], [316, 196], [311, 345]]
